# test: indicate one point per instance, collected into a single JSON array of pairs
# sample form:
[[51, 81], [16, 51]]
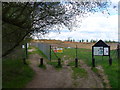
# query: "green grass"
[[72, 63], [95, 70], [112, 72], [42, 66], [55, 65], [15, 74], [79, 72], [31, 47]]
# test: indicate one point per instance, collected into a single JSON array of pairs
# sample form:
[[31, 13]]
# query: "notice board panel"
[[106, 51], [98, 51]]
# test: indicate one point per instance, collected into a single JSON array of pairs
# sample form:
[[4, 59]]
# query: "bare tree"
[[22, 19]]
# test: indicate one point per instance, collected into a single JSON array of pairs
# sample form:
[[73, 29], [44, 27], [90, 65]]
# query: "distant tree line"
[[70, 40], [91, 41]]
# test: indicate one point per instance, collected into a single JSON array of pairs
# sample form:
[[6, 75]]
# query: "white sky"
[[96, 26]]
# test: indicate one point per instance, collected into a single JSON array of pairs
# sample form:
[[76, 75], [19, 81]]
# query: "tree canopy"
[[20, 20]]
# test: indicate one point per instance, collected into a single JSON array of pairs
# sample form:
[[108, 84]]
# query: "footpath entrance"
[[62, 78]]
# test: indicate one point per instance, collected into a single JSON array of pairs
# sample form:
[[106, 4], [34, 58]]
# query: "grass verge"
[[79, 73], [95, 70], [55, 65], [37, 51], [15, 74], [42, 66]]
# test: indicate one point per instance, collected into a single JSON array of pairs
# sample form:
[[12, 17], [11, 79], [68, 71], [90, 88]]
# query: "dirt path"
[[93, 81], [52, 78], [49, 78]]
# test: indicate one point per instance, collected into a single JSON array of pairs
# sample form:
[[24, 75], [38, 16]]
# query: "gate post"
[[50, 52]]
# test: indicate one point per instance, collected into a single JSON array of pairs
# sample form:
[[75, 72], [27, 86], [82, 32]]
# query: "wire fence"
[[55, 51], [45, 48]]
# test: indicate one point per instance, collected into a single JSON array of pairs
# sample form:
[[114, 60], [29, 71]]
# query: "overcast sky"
[[96, 26]]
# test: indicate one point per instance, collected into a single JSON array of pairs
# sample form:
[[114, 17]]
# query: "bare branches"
[[40, 17]]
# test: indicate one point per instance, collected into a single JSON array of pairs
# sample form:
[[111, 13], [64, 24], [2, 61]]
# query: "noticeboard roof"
[[100, 43]]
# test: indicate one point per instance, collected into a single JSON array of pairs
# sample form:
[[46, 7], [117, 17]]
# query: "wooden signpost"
[[100, 49]]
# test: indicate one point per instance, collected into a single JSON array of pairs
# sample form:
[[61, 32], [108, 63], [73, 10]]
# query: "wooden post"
[[50, 52], [26, 53], [93, 59], [110, 59], [76, 51]]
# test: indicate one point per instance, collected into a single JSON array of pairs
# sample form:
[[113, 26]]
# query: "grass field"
[[15, 74], [85, 55]]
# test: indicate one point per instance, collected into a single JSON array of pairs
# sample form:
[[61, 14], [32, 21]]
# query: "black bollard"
[[59, 62], [76, 62], [110, 61], [41, 61], [24, 61], [93, 62]]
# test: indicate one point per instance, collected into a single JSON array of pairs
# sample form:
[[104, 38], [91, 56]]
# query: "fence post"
[[50, 52], [26, 53], [110, 59], [59, 62], [41, 61], [93, 59], [76, 62], [118, 51], [76, 51]]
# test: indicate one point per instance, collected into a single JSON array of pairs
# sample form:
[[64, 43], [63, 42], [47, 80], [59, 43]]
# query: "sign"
[[101, 49], [59, 50], [98, 51], [55, 50], [23, 46], [106, 51], [28, 45]]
